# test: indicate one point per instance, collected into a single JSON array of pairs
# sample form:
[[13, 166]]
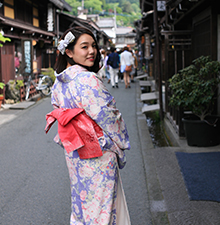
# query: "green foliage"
[[127, 10], [2, 85], [3, 39], [123, 21], [136, 9], [74, 4], [194, 87], [16, 84], [103, 3], [126, 7], [93, 5], [19, 83]]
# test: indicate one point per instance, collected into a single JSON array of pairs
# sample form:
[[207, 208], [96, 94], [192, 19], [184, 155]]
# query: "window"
[[9, 9], [35, 17]]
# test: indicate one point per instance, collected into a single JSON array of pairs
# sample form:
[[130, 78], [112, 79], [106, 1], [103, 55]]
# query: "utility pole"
[[82, 4], [158, 58]]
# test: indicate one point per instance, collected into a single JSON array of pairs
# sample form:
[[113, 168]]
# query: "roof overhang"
[[61, 4], [27, 28]]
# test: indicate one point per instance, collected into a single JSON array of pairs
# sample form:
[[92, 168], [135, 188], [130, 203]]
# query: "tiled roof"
[[124, 30], [105, 22]]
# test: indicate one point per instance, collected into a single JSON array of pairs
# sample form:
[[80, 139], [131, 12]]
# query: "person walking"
[[92, 131], [101, 72], [113, 62], [126, 59], [134, 68], [107, 67], [138, 59]]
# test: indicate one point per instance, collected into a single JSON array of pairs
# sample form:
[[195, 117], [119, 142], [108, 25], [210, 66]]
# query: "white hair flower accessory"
[[62, 44]]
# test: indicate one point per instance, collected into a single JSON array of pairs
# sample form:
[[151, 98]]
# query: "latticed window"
[[9, 9]]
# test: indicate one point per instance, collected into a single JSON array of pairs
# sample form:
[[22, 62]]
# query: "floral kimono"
[[95, 182]]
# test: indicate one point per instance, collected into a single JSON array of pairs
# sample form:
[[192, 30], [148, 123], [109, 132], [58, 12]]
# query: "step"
[[148, 83], [150, 96], [140, 72], [150, 108], [145, 83], [141, 76], [22, 105]]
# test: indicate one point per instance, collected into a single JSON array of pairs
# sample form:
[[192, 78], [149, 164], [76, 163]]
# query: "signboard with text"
[[161, 5], [27, 55]]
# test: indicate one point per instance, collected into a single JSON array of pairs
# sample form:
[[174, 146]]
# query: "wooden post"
[[158, 58]]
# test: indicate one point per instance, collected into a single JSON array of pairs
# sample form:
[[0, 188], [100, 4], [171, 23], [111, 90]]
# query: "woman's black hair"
[[62, 60]]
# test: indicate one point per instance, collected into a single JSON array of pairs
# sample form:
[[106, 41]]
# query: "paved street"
[[34, 178], [133, 175]]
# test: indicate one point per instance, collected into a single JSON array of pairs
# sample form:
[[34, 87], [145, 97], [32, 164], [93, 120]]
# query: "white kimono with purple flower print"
[[93, 181]]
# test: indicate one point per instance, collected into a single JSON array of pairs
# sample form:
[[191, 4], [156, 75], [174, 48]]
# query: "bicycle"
[[44, 85]]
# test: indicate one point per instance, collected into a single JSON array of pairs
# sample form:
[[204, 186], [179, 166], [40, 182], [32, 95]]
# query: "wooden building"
[[34, 27], [171, 34], [31, 27]]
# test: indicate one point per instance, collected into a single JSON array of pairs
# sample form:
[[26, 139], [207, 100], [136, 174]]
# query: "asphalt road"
[[34, 179]]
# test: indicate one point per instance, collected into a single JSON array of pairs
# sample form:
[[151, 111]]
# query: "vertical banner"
[[50, 20], [27, 55], [161, 5], [147, 45]]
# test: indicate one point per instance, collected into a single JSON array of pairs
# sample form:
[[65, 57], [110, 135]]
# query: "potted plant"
[[1, 95], [194, 88]]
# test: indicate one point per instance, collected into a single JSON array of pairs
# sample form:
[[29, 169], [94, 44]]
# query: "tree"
[[93, 6], [74, 4], [103, 3], [136, 9], [127, 8]]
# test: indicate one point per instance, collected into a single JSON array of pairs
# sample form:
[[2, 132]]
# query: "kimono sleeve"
[[100, 105]]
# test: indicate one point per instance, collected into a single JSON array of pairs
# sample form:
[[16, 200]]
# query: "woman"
[[101, 72], [96, 190], [134, 68], [113, 61], [107, 67], [126, 59]]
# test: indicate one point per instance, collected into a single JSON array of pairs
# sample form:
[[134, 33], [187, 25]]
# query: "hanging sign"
[[161, 5], [50, 21], [28, 56]]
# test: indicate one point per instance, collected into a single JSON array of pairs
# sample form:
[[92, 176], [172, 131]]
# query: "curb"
[[9, 112], [157, 203]]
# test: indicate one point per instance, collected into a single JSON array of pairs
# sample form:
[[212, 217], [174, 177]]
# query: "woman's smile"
[[84, 51]]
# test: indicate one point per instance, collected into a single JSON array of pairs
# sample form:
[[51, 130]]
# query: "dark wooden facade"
[[26, 23], [187, 30], [34, 27]]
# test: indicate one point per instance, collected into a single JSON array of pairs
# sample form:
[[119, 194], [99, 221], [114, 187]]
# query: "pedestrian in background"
[[138, 59], [101, 72], [113, 62], [107, 66], [134, 68], [120, 74], [126, 59], [97, 195]]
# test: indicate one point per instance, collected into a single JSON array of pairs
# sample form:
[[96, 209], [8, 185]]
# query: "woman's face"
[[84, 51]]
